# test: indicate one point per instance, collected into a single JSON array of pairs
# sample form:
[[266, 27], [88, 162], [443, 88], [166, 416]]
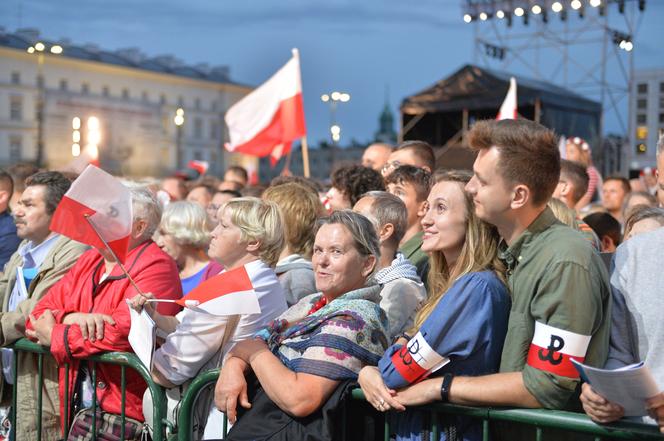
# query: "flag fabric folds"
[[508, 110], [270, 118], [106, 202], [228, 293]]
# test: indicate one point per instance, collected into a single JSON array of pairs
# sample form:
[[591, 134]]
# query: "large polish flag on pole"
[[508, 110], [230, 292], [96, 198], [270, 118]]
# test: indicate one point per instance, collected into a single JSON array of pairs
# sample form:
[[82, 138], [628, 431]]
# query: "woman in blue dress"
[[461, 328]]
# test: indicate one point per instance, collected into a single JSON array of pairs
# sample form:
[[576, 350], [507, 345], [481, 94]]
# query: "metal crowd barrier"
[[123, 359], [539, 419]]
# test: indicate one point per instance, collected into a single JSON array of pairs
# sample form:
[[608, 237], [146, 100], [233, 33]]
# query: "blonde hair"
[[563, 213], [261, 221], [300, 207], [188, 223], [478, 253]]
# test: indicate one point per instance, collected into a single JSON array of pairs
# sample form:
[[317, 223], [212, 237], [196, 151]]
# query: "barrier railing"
[[539, 419], [123, 359]]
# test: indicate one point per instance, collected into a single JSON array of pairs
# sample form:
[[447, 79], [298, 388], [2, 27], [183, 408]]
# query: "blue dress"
[[465, 334]]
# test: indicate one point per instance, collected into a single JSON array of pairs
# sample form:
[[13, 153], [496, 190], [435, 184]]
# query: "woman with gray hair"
[[184, 234], [305, 360]]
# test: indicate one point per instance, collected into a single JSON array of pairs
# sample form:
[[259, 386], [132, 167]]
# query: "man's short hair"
[[528, 153], [355, 180], [422, 150], [56, 185], [210, 190], [231, 193], [576, 173], [603, 224], [6, 182], [239, 171], [419, 178], [387, 208], [623, 181]]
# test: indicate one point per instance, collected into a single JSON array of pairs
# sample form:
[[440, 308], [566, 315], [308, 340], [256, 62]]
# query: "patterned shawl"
[[334, 342]]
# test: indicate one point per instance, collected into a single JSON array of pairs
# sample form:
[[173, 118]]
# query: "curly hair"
[[355, 180], [188, 223]]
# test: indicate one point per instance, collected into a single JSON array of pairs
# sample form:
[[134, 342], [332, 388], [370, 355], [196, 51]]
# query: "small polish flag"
[[508, 108], [270, 118], [553, 349], [105, 202], [231, 292], [417, 360]]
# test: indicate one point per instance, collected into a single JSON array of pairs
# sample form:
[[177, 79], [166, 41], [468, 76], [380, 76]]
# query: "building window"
[[661, 118], [16, 108], [16, 77], [661, 102], [85, 88], [214, 105], [641, 103], [144, 97], [641, 118], [105, 91], [642, 88], [198, 128], [198, 156], [214, 130], [63, 85], [661, 87], [197, 104], [40, 81], [125, 94], [180, 101], [162, 99], [15, 148]]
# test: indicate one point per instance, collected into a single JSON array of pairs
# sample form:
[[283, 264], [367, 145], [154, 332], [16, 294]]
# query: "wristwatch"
[[445, 387]]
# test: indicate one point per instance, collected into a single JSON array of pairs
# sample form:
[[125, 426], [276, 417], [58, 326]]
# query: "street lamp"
[[333, 99], [39, 48], [178, 119]]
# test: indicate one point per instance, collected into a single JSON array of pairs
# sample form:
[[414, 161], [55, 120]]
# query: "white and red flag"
[[508, 110], [270, 118], [553, 349], [228, 293], [106, 202]]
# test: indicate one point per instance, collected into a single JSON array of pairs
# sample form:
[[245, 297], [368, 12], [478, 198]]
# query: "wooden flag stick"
[[115, 256], [305, 156]]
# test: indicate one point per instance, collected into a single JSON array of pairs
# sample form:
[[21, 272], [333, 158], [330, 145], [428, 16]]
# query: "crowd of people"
[[418, 283]]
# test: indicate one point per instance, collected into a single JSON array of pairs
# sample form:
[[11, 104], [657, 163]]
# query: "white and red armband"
[[417, 360], [553, 349]]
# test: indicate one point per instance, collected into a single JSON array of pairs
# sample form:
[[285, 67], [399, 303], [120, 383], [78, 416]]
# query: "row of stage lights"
[[557, 6]]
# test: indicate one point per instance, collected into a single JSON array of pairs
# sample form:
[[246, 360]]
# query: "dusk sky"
[[359, 47]]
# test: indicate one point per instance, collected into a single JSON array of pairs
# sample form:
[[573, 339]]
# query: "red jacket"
[[80, 291]]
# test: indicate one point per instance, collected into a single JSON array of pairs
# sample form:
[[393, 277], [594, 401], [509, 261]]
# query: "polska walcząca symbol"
[[112, 211], [556, 344]]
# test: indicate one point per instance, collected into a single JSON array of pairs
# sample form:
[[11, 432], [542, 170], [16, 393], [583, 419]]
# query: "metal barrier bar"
[[185, 416], [543, 419], [122, 359], [93, 380], [40, 385]]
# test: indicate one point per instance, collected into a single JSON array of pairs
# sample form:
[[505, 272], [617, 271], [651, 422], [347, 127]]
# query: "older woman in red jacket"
[[85, 313]]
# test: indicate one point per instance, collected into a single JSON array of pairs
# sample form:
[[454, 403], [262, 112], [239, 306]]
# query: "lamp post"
[[40, 48], [333, 99], [178, 119]]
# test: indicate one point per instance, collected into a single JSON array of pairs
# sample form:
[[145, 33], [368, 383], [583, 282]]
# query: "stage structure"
[[585, 46]]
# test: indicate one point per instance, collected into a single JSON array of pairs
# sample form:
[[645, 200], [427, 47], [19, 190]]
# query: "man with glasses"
[[416, 153]]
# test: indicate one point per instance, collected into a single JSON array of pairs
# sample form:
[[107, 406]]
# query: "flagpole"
[[305, 156], [108, 247]]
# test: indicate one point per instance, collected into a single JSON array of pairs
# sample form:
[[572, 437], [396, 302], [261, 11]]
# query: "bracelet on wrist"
[[445, 387]]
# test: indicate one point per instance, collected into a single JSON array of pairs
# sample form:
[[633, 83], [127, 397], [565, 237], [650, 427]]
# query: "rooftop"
[[132, 57]]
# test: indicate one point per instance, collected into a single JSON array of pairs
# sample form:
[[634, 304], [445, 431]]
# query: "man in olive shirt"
[[560, 291]]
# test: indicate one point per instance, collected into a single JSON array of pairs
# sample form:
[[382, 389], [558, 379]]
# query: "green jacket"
[[57, 262], [412, 250], [559, 281]]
